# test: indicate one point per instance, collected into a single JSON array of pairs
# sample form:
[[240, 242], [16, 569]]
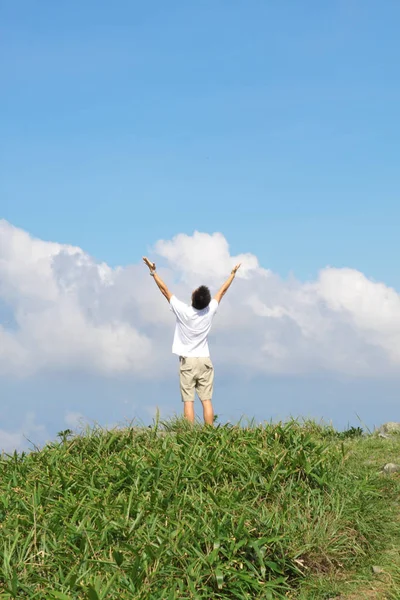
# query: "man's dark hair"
[[201, 297]]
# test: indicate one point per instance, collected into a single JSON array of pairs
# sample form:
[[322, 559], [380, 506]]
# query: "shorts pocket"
[[184, 365], [208, 364]]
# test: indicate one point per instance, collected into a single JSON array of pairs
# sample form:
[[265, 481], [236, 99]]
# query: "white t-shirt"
[[192, 328]]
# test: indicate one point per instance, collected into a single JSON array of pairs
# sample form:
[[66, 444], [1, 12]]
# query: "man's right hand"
[[235, 269]]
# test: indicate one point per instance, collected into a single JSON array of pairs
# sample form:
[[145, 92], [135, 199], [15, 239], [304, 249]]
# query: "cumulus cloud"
[[62, 317], [203, 255], [74, 419], [19, 439], [62, 310]]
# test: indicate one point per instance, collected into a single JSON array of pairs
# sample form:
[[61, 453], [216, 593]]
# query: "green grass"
[[275, 511]]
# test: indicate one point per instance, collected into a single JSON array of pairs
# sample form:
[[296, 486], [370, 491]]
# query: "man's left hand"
[[152, 266]]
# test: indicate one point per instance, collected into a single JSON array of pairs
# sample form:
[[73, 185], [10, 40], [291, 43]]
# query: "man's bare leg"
[[188, 411], [208, 412]]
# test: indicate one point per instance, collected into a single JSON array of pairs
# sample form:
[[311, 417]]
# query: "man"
[[193, 324]]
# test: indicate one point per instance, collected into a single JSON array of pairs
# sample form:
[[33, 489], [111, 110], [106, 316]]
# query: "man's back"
[[192, 328]]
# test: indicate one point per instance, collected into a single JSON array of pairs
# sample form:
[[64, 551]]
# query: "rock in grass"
[[390, 427], [377, 570], [391, 468]]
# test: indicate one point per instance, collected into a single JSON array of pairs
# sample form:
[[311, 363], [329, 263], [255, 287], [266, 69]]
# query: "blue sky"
[[276, 124]]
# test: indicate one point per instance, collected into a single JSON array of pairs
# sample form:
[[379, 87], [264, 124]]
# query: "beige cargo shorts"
[[196, 374]]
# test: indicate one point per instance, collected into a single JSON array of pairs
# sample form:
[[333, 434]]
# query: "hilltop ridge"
[[287, 510]]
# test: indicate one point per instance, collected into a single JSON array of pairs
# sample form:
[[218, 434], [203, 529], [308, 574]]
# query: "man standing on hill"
[[193, 324]]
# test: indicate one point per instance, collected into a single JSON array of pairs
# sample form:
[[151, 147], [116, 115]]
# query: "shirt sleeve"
[[178, 308], [213, 306]]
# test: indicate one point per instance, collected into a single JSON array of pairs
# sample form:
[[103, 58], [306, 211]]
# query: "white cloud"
[[10, 441], [60, 310], [74, 419], [63, 317], [20, 439], [203, 255]]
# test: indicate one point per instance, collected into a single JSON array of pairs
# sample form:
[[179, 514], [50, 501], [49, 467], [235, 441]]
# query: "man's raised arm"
[[224, 288], [161, 285]]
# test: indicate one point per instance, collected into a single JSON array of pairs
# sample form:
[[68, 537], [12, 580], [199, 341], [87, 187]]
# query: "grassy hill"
[[275, 511]]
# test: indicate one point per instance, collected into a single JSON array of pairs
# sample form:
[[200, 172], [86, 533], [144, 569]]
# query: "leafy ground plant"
[[178, 512]]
